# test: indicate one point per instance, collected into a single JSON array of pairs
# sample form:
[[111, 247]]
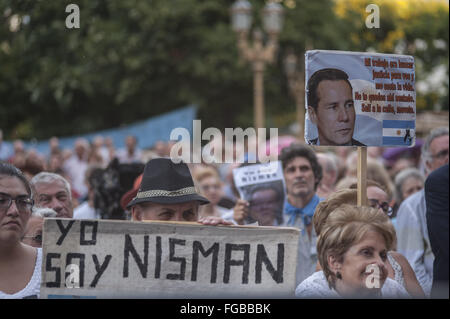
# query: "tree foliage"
[[414, 27], [132, 59]]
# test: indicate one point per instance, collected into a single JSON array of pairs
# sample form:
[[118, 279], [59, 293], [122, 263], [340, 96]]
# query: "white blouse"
[[316, 286], [33, 288]]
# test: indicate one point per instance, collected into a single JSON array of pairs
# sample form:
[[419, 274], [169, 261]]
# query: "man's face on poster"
[[335, 113], [264, 206]]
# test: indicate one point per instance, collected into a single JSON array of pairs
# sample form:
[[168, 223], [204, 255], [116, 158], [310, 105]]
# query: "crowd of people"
[[401, 232]]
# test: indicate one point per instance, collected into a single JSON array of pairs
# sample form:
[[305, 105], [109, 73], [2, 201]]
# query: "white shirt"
[[84, 211], [33, 288], [412, 238], [76, 170], [316, 286], [104, 153]]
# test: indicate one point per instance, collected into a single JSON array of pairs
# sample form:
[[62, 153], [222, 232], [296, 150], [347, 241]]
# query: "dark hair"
[[299, 150], [266, 186], [7, 169], [319, 76]]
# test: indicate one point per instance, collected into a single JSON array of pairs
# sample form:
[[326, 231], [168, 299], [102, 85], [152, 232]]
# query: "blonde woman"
[[208, 181], [398, 266], [352, 250]]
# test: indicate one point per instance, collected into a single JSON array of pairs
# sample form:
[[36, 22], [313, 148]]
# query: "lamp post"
[[257, 53], [296, 82]]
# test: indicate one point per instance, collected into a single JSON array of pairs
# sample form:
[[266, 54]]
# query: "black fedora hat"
[[165, 182]]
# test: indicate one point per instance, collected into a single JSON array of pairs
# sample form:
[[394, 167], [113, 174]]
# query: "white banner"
[[124, 259]]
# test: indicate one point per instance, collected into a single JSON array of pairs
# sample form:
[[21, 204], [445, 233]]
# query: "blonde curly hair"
[[346, 226]]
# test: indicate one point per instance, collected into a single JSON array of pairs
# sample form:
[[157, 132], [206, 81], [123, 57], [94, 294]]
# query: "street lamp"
[[257, 53], [296, 82]]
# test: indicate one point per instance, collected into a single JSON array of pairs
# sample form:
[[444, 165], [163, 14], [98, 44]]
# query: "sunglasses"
[[374, 203]]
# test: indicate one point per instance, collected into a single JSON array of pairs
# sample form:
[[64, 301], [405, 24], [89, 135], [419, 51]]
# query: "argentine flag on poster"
[[399, 133]]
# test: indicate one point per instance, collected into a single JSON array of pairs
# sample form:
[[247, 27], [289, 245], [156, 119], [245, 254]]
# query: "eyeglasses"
[[23, 204], [36, 238], [440, 155], [374, 203]]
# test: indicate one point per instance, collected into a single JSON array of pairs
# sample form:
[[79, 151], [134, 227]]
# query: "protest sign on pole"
[[262, 185], [359, 99], [124, 259]]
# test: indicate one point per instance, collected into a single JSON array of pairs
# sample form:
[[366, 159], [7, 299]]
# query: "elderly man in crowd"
[[53, 191], [411, 225], [167, 193]]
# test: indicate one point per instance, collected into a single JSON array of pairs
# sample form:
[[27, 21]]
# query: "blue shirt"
[[413, 240], [306, 212], [307, 253]]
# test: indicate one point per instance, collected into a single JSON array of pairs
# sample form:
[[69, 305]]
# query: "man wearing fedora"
[[167, 193]]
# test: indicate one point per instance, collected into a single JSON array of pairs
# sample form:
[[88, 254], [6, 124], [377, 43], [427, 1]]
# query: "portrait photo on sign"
[[263, 187], [266, 203], [359, 99]]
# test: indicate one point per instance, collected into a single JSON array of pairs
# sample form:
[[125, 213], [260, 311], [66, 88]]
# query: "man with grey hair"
[[412, 233], [407, 182], [327, 185], [33, 230], [53, 191]]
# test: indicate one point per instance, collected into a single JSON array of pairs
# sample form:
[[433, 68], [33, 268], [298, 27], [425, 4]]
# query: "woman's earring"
[[338, 275]]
